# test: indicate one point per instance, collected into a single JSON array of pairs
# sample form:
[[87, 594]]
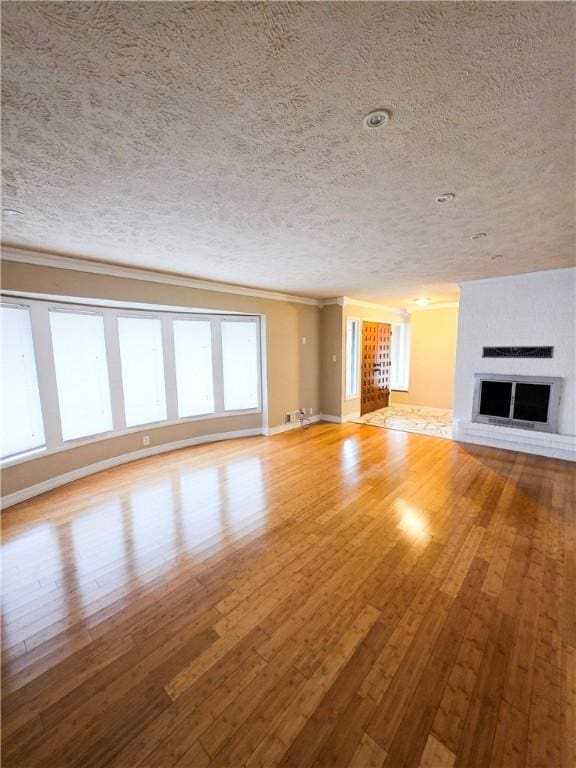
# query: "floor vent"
[[518, 352]]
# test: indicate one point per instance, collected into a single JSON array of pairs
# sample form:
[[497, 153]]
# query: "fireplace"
[[528, 402]]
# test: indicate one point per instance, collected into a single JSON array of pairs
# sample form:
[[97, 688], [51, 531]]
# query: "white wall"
[[522, 310]]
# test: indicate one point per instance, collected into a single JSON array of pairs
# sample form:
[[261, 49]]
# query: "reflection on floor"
[[412, 418], [334, 596]]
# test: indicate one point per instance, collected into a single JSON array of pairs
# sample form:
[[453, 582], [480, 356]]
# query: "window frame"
[[163, 342], [13, 457], [42, 339], [172, 347], [238, 319], [400, 383], [104, 432], [353, 321]]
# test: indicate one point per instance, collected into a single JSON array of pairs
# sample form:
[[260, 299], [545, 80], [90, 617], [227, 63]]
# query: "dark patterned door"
[[376, 349]]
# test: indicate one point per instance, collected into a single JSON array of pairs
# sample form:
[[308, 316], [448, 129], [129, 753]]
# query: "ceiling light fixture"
[[11, 212], [446, 197], [377, 118], [478, 235], [422, 302]]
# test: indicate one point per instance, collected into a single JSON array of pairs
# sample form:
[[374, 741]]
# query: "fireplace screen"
[[495, 398], [517, 401], [531, 402]]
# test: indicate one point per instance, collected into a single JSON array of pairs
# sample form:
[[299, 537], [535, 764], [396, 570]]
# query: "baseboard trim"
[[340, 419], [328, 417], [271, 431], [115, 461]]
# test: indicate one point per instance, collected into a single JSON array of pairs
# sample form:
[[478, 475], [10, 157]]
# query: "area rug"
[[412, 418]]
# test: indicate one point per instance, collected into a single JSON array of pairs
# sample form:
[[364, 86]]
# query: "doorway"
[[376, 361]]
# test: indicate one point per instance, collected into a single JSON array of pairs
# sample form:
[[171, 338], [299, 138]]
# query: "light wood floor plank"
[[340, 596]]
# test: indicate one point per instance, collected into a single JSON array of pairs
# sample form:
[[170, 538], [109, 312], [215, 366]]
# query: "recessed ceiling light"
[[11, 212], [422, 302], [377, 118], [478, 236], [446, 197]]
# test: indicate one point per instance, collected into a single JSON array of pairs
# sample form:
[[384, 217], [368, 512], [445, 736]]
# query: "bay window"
[[75, 373]]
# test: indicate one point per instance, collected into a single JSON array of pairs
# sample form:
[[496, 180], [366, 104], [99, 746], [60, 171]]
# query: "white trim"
[[41, 259], [357, 372], [91, 469], [45, 373], [400, 356], [513, 439], [271, 431], [134, 273], [169, 366], [121, 304], [352, 416], [347, 300]]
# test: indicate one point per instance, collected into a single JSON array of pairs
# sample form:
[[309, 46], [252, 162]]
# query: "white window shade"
[[240, 364], [194, 377], [142, 363], [400, 357], [22, 425], [81, 373], [352, 356]]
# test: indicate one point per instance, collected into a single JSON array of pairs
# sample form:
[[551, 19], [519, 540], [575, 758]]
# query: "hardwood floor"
[[338, 596]]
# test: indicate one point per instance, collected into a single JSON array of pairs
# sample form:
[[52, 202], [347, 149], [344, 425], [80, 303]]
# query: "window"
[[352, 357], [73, 372], [81, 373], [142, 362], [240, 364], [194, 375], [399, 370], [22, 426]]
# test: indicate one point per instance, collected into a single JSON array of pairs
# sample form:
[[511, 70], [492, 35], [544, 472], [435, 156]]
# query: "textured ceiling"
[[225, 141]]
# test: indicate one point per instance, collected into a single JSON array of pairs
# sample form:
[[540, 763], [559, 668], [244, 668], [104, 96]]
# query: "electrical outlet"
[[146, 440]]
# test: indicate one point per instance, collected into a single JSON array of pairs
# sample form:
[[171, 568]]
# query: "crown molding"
[[428, 307], [38, 258], [346, 300]]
